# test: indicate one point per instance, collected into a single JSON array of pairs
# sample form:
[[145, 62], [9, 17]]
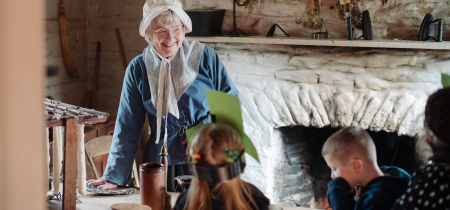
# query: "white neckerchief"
[[167, 102], [169, 77]]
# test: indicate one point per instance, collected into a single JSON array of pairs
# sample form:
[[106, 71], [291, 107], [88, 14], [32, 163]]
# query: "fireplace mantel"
[[379, 43]]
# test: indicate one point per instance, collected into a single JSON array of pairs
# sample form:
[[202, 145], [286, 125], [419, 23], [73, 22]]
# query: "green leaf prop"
[[445, 79], [227, 110]]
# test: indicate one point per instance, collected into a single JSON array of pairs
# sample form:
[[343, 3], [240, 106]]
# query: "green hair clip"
[[233, 155], [226, 109]]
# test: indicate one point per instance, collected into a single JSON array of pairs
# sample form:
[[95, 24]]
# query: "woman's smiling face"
[[167, 39]]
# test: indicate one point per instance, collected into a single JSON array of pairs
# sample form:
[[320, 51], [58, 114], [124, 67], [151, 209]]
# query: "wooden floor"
[[95, 202]]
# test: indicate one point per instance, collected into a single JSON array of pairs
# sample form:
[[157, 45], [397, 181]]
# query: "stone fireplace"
[[303, 173], [288, 89]]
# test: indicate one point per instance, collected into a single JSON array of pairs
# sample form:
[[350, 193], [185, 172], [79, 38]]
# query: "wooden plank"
[[81, 120], [70, 165], [94, 120], [54, 123], [67, 54], [378, 43]]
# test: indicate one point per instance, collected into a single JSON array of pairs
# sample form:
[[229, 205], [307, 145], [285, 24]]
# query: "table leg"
[[70, 165]]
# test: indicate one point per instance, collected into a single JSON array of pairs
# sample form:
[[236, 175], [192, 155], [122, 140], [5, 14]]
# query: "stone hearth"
[[281, 86]]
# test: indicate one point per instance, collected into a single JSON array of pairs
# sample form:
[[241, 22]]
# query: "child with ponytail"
[[216, 152]]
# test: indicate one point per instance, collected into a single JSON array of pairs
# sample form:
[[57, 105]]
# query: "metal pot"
[[319, 35]]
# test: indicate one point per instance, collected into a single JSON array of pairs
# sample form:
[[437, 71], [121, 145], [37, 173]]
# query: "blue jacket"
[[135, 103], [380, 193]]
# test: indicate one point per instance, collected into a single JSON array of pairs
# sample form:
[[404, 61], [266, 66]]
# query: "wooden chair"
[[100, 146]]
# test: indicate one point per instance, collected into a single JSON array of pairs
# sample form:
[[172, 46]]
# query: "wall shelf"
[[381, 43]]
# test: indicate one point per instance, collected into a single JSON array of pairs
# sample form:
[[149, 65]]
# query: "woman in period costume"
[[167, 82]]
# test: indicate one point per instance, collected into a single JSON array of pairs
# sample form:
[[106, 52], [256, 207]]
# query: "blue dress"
[[135, 103]]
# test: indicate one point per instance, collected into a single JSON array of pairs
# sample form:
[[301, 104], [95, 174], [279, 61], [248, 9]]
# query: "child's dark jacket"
[[380, 193]]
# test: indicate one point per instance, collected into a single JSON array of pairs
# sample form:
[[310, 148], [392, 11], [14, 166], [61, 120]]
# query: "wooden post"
[[70, 165], [97, 64], [122, 52]]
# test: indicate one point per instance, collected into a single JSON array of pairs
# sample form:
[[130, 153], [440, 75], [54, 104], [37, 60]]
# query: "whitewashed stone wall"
[[60, 86], [378, 89], [280, 86]]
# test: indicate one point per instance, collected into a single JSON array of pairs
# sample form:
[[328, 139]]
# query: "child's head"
[[211, 140], [207, 147], [346, 151], [437, 120]]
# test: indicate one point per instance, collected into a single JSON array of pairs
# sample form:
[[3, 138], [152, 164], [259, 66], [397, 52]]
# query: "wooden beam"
[[332, 42], [70, 165]]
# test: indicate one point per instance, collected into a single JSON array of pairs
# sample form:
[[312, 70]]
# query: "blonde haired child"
[[216, 146], [351, 155]]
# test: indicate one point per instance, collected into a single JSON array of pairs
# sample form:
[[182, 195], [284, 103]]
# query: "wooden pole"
[[97, 64], [67, 55], [88, 100], [70, 165], [122, 52]]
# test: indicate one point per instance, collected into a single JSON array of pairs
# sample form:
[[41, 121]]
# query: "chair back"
[[99, 146]]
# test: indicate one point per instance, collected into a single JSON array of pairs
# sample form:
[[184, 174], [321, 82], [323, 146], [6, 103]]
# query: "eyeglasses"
[[162, 32]]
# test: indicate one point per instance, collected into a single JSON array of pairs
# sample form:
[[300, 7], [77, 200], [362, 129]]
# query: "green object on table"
[[226, 109]]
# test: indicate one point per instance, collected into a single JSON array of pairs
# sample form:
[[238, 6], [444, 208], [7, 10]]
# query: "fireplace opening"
[[304, 174]]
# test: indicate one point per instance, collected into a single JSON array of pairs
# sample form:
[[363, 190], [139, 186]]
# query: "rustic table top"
[[95, 202]]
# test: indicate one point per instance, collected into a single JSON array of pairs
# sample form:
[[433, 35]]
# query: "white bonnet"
[[153, 8]]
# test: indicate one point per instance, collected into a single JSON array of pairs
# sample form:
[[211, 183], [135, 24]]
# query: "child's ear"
[[357, 165]]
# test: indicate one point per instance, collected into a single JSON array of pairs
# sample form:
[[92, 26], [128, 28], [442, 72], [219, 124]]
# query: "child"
[[215, 147], [429, 187], [351, 155]]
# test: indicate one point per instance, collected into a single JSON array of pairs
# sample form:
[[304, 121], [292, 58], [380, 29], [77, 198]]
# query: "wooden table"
[[61, 114], [95, 202]]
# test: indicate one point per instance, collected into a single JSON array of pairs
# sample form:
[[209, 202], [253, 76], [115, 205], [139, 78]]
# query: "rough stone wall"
[[293, 184], [402, 21], [281, 86], [60, 86], [376, 88]]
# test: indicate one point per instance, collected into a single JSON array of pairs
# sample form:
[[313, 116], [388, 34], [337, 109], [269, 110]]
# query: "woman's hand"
[[102, 184], [187, 148]]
